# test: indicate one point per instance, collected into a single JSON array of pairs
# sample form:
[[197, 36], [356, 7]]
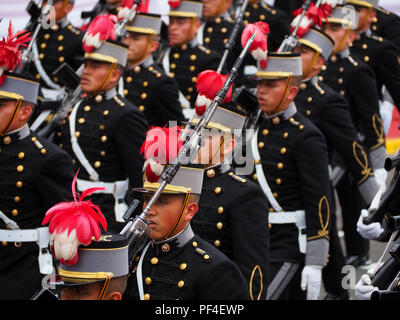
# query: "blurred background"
[[15, 10]]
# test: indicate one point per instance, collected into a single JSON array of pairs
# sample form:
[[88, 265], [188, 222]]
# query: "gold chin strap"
[[149, 40], [312, 63], [221, 4], [109, 72], [189, 34], [289, 81], [185, 202], [105, 287], [219, 148], [13, 114], [343, 41]]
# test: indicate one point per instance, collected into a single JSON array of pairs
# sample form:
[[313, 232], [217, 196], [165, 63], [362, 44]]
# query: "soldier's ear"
[[191, 209], [25, 112]]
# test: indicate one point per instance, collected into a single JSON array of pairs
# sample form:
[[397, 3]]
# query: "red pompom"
[[74, 223], [162, 146], [100, 29], [314, 16], [259, 47], [10, 56], [174, 3], [208, 84]]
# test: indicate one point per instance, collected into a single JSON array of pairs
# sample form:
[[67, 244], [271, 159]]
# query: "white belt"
[[118, 189], [297, 217], [40, 236]]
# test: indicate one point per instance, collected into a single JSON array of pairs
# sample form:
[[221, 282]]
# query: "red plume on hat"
[[328, 5], [10, 56], [259, 47], [208, 84], [314, 16], [162, 146], [174, 3], [74, 223], [126, 7], [100, 29]]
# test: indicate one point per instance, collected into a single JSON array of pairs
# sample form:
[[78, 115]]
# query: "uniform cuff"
[[378, 158], [317, 252], [368, 190]]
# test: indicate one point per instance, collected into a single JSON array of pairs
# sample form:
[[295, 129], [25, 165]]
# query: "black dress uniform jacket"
[[110, 133], [383, 57], [185, 64], [329, 111], [356, 81], [294, 160], [153, 92], [58, 44], [387, 25], [233, 216], [34, 175], [277, 20], [186, 267]]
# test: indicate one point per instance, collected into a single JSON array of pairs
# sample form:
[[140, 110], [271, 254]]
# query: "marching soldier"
[[380, 54], [55, 45], [386, 24], [215, 31], [177, 263], [277, 19], [356, 82], [329, 111], [91, 264], [295, 181], [34, 175], [185, 58], [230, 203], [144, 83], [104, 133]]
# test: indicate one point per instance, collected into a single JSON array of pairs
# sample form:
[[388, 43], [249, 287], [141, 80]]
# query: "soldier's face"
[[7, 108], [273, 95], [61, 8], [310, 65], [213, 8], [182, 30], [140, 47], [113, 2], [365, 18], [341, 36], [164, 215], [93, 75]]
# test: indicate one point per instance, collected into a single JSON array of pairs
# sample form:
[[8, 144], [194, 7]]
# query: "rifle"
[[95, 12], [387, 198], [137, 229], [27, 53], [71, 81], [290, 41], [120, 25], [232, 37]]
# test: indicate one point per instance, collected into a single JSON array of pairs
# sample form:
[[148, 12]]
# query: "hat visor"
[[149, 187]]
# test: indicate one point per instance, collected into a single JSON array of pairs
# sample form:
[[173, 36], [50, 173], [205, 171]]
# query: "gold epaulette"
[[119, 101], [157, 73], [38, 145], [205, 255], [352, 61], [73, 30], [237, 178]]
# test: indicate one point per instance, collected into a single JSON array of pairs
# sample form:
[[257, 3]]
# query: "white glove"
[[311, 280], [380, 176], [364, 289], [368, 231]]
